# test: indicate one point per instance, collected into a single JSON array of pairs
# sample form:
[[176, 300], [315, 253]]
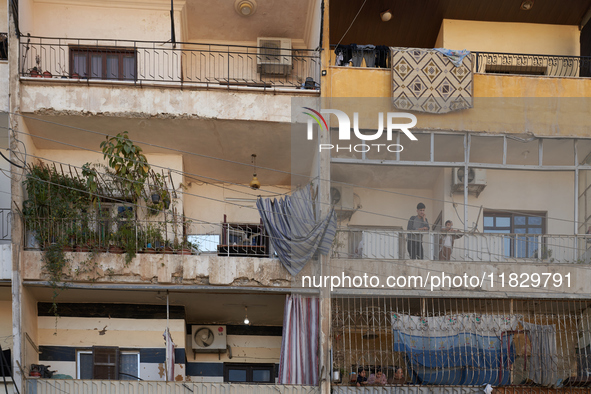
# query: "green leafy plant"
[[130, 166]]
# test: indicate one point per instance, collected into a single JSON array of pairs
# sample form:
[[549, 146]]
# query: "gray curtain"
[[542, 364]]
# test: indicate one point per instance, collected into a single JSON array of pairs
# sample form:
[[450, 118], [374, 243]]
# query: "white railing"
[[488, 247], [407, 390], [59, 386]]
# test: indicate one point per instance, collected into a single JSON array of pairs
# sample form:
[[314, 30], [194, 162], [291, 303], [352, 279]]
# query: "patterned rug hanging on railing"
[[427, 80]]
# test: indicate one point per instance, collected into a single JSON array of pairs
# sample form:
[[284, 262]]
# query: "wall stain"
[[161, 370]]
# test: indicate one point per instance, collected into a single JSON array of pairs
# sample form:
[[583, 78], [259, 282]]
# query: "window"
[[3, 46], [249, 373], [103, 63], [530, 224], [103, 362], [206, 243]]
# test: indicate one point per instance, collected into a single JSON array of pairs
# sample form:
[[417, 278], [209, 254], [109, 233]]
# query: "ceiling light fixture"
[[527, 5], [386, 15], [254, 183], [246, 321], [245, 7]]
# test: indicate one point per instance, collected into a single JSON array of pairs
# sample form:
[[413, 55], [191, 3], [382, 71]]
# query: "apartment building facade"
[[216, 94]]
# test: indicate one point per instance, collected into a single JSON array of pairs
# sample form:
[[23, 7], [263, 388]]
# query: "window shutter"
[[105, 362]]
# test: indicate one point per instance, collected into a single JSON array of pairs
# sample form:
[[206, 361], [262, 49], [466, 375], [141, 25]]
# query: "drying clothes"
[[542, 365], [343, 53], [456, 57], [382, 56], [369, 54]]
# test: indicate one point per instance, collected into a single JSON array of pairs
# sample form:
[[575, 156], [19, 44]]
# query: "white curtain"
[[298, 362]]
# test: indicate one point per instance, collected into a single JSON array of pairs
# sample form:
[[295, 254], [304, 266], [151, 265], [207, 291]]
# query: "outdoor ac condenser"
[[476, 180], [208, 338], [274, 56]]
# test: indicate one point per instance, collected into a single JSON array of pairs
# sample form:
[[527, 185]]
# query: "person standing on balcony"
[[415, 241], [446, 242]]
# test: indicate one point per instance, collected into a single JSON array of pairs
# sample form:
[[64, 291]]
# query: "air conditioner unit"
[[208, 338], [274, 56], [341, 196], [476, 180]]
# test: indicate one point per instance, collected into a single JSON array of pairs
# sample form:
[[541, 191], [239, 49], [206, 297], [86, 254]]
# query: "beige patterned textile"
[[424, 80]]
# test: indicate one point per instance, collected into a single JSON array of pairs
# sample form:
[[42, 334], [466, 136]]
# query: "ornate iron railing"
[[528, 64], [183, 63]]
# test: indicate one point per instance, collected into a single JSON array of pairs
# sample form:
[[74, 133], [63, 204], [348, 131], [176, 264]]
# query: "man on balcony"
[[415, 241]]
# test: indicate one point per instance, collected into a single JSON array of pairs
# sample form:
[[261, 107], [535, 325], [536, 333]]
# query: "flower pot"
[[116, 249], [46, 74], [34, 73], [155, 198], [168, 250]]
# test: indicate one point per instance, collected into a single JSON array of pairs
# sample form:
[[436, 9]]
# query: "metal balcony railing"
[[528, 64], [462, 342], [182, 63], [118, 235], [487, 247]]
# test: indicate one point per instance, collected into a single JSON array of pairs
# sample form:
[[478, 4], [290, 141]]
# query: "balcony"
[[112, 249], [474, 247], [181, 64], [517, 345]]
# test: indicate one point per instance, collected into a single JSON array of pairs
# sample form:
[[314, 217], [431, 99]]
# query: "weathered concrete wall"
[[580, 277], [129, 101], [533, 38], [165, 269], [130, 334]]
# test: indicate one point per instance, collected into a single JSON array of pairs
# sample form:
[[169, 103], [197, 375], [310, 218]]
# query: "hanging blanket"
[[427, 80], [465, 349], [295, 228]]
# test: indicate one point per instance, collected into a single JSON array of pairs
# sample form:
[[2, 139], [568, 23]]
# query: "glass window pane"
[[534, 230], [205, 242], [261, 375], [128, 366], [497, 231], [507, 245], [237, 375], [519, 220], [534, 220], [489, 221], [112, 67], [520, 247], [96, 66], [503, 222], [129, 67], [79, 66], [520, 230], [85, 360]]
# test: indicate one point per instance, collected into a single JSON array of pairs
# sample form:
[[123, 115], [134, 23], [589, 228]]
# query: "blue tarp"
[[461, 359]]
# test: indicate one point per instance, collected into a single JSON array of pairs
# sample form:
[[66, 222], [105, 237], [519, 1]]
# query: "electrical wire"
[[334, 182]]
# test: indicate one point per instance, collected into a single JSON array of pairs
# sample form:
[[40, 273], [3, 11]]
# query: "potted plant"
[[47, 74], [36, 70]]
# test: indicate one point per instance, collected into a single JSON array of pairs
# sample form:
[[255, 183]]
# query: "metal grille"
[[547, 344]]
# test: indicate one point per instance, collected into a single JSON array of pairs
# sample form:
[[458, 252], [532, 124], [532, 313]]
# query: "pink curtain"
[[298, 362]]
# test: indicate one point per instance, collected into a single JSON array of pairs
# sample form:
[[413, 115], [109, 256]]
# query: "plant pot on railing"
[[47, 74]]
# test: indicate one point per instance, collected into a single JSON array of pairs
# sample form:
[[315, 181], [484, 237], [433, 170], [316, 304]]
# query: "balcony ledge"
[[163, 269]]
